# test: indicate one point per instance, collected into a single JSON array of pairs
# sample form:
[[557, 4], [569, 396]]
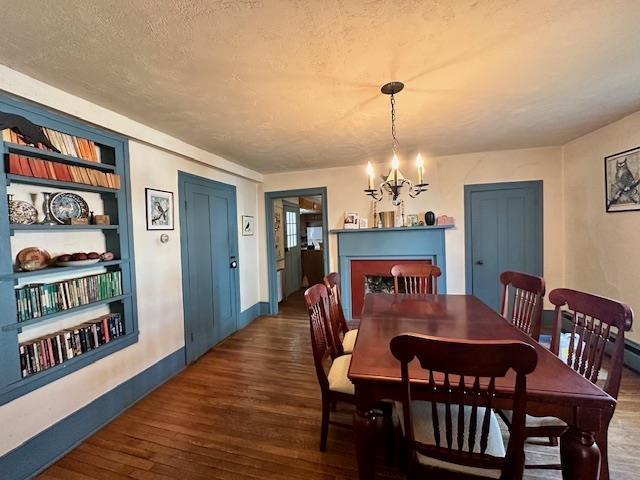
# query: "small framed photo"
[[622, 181], [412, 220], [247, 225], [363, 223], [159, 209], [351, 220]]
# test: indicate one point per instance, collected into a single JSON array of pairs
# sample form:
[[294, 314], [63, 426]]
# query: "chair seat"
[[349, 340], [423, 432], [538, 421], [338, 380]]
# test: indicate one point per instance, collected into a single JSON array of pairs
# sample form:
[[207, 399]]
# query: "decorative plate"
[[22, 213], [78, 263], [64, 206], [33, 258]]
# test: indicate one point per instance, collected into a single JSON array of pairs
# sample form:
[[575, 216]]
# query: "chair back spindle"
[[522, 301], [338, 322], [416, 279], [317, 299]]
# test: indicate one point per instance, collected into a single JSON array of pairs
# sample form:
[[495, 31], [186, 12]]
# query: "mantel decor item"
[[394, 181], [351, 220], [66, 205], [159, 209], [21, 213], [387, 219], [247, 225], [622, 181], [430, 218]]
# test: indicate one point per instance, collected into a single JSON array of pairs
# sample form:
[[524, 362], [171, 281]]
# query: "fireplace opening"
[[380, 284]]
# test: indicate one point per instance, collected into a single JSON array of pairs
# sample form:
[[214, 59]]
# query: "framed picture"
[[159, 209], [622, 181], [351, 220], [412, 220], [363, 223], [247, 225]]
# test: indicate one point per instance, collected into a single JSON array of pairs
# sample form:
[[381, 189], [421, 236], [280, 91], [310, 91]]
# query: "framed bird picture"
[[622, 181], [159, 209], [247, 225]]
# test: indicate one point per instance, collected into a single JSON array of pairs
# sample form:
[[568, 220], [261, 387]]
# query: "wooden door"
[[292, 257], [209, 255], [503, 225]]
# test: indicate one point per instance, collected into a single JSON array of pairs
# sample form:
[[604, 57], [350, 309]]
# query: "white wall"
[[158, 268], [447, 176], [602, 253]]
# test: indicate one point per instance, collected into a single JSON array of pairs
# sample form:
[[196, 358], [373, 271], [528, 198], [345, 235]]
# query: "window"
[[292, 229]]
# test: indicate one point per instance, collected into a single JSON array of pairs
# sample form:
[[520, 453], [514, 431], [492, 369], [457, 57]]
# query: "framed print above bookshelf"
[[68, 315]]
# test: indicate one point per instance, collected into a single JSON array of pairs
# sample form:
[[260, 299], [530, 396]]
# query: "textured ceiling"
[[277, 85]]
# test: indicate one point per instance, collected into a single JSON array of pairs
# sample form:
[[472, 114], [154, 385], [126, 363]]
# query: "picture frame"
[[351, 220], [159, 206], [247, 225], [363, 223], [412, 220], [622, 181]]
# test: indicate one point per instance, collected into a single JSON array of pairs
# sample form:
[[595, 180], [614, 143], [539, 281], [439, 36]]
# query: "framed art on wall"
[[247, 225], [622, 181], [159, 209]]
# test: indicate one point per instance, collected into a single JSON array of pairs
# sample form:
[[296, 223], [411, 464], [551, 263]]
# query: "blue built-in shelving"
[[118, 238]]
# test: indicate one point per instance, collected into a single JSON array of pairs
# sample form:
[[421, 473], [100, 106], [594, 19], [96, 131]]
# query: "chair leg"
[[387, 413], [324, 428]]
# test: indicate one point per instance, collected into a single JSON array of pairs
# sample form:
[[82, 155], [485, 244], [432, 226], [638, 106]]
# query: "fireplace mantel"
[[401, 243]]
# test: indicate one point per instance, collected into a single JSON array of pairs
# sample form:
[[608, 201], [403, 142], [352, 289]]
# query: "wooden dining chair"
[[338, 322], [449, 427], [335, 385], [417, 279], [522, 301]]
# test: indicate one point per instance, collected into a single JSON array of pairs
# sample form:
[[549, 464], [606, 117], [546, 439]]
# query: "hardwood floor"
[[250, 408]]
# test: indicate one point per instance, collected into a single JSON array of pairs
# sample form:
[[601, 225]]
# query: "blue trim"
[[183, 178], [269, 197], [42, 450], [250, 314], [468, 189]]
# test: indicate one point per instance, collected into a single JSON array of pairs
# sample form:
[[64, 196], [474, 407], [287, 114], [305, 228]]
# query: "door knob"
[[233, 263], [479, 262]]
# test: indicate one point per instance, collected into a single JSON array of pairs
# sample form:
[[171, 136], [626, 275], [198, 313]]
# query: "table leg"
[[580, 455], [365, 425]]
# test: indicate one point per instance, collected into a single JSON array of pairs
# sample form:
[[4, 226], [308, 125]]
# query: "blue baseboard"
[[49, 445], [251, 313]]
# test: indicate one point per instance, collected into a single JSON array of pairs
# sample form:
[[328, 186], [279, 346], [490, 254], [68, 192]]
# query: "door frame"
[[183, 178], [537, 185], [286, 203], [269, 197]]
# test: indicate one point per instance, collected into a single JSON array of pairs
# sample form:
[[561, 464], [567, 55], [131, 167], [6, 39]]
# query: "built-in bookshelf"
[[57, 320]]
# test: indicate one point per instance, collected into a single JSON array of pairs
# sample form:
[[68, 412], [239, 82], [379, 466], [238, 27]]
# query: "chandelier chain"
[[395, 146]]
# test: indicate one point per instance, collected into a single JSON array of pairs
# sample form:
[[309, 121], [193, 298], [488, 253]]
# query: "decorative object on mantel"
[[387, 219], [392, 184], [363, 223], [444, 220], [32, 258], [247, 225], [159, 209], [21, 213], [350, 220], [412, 220], [430, 218], [66, 205], [622, 181]]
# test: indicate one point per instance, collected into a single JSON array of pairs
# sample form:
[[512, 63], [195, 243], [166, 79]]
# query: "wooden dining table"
[[553, 389]]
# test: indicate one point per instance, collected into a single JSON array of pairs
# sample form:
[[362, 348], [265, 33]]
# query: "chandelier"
[[392, 184]]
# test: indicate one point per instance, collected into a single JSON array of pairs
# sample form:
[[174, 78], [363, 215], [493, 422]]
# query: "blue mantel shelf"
[[394, 229], [401, 243]]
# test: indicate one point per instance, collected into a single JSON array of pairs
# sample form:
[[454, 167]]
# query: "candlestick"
[[420, 164], [370, 174]]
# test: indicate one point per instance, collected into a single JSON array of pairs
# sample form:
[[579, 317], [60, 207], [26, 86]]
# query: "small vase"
[[430, 218], [48, 218]]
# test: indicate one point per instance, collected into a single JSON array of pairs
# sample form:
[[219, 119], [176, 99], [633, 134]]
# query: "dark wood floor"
[[250, 409]]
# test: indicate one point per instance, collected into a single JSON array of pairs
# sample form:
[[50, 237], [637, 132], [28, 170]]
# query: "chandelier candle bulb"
[[420, 164], [395, 164], [370, 174]]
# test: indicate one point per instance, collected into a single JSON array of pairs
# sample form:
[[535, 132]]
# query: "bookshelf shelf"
[[64, 270], [57, 157], [20, 325], [12, 178], [60, 228], [113, 150]]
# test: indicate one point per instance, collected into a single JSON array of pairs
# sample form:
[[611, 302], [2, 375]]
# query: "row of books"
[[37, 300], [65, 143], [36, 167], [46, 352]]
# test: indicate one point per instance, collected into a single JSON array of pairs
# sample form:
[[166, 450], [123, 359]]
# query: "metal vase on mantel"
[[387, 219]]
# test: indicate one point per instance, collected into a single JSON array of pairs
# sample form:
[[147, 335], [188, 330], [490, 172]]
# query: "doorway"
[[209, 246], [503, 231], [297, 241]]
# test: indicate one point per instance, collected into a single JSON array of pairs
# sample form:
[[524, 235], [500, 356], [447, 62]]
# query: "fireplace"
[[374, 276]]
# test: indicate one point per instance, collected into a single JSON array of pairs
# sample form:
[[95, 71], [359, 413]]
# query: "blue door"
[[292, 255], [503, 230], [209, 240]]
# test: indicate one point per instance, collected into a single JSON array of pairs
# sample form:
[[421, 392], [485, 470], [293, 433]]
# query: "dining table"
[[553, 388]]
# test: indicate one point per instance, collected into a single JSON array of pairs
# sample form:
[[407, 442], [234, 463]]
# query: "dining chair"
[[449, 427], [417, 279], [338, 322], [335, 385], [522, 301]]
